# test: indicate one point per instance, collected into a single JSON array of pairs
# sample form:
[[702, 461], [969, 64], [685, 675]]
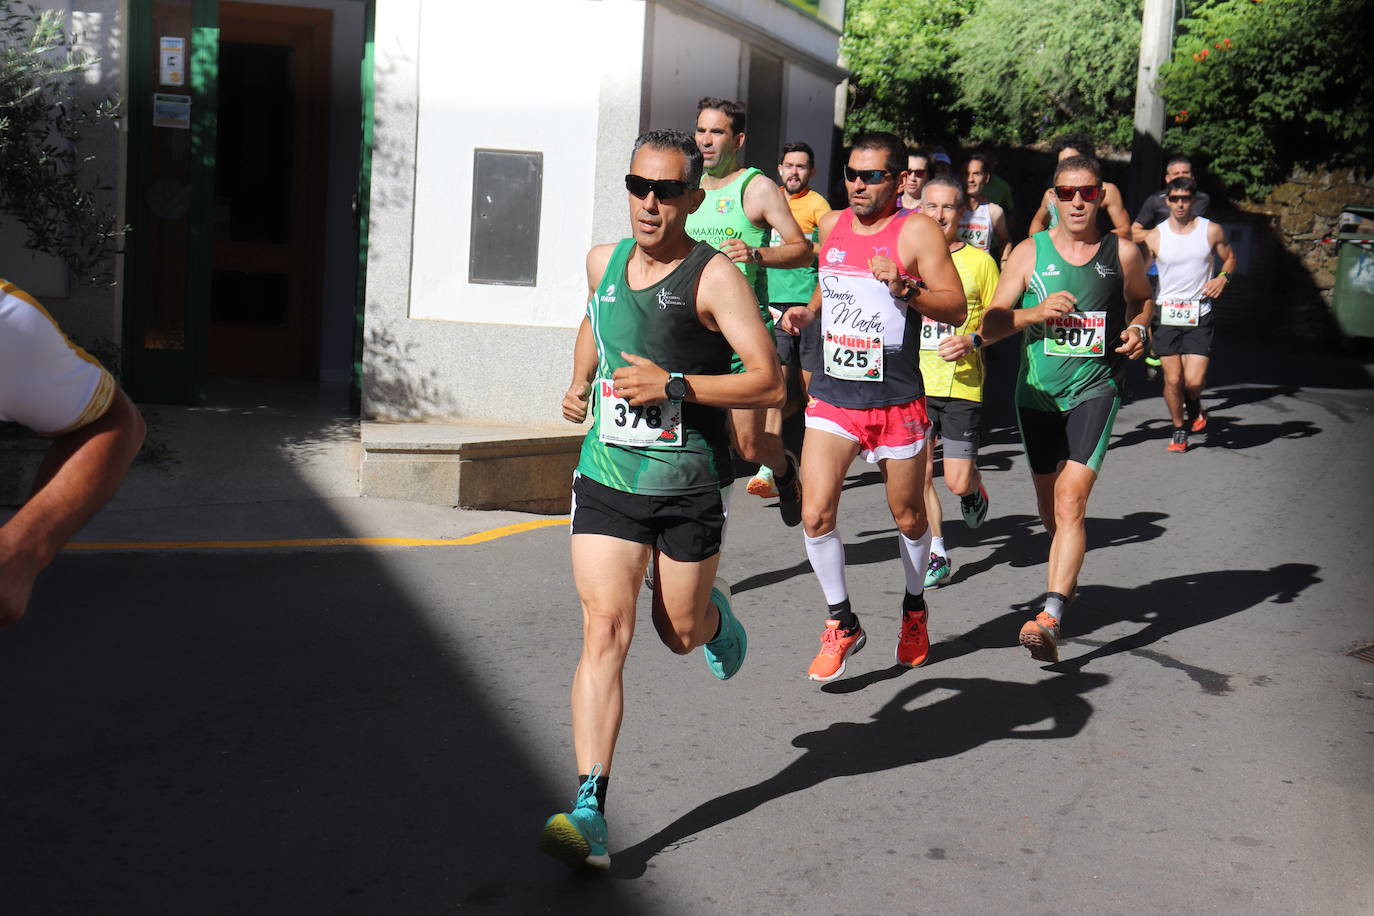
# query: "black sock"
[[912, 602], [788, 473], [841, 612], [1193, 407], [720, 623], [601, 783]]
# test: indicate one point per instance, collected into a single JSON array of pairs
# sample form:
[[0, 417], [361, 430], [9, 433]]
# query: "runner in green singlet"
[[652, 366], [1082, 303], [741, 206]]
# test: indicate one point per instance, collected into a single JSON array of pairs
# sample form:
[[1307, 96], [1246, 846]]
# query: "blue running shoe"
[[974, 507], [939, 571], [579, 837], [725, 653]]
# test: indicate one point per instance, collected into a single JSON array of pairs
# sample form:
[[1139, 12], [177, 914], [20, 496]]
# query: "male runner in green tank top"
[[1081, 299], [741, 207], [652, 362]]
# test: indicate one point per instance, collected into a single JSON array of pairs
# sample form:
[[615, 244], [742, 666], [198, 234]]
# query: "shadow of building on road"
[[282, 731], [975, 712]]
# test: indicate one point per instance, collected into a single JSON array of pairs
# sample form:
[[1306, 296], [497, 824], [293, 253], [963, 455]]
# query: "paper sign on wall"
[[172, 61], [171, 110]]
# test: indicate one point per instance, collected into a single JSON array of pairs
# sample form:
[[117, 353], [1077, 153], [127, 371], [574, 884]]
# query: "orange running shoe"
[[1041, 637], [836, 646], [762, 485], [1200, 421], [1179, 443], [913, 642]]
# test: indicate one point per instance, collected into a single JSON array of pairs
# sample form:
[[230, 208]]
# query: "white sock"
[[826, 554], [915, 559], [937, 547]]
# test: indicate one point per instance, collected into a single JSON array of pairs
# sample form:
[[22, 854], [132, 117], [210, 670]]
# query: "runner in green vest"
[[1082, 303], [741, 206], [652, 366]]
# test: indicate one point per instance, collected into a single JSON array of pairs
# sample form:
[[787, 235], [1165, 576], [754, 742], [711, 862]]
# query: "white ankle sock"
[[937, 547], [826, 554]]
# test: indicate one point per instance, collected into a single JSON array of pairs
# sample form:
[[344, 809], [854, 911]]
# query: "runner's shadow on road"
[[1168, 606], [959, 715], [1020, 540], [1165, 607], [1226, 432]]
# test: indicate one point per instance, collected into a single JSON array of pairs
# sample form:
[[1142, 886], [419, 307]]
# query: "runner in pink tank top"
[[880, 271]]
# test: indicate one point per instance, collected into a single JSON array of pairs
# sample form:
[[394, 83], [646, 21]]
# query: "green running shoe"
[[975, 508], [939, 571], [725, 653], [579, 837]]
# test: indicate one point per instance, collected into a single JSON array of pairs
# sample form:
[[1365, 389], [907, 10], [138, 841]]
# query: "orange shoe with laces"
[[836, 646], [913, 643], [1200, 421], [1041, 637]]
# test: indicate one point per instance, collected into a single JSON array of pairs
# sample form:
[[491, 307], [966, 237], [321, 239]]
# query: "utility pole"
[[1147, 148]]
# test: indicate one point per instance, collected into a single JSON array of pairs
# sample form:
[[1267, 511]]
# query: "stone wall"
[[1301, 213]]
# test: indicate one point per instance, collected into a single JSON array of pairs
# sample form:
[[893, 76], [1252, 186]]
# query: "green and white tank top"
[[721, 217], [1072, 358], [666, 449]]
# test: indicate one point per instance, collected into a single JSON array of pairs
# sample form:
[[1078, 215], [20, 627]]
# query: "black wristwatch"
[[676, 388], [756, 255], [977, 339], [910, 291]]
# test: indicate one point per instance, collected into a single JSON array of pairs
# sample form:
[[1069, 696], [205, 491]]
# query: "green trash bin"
[[1352, 298]]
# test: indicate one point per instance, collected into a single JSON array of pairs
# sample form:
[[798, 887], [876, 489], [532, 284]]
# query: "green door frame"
[[167, 375], [363, 206]]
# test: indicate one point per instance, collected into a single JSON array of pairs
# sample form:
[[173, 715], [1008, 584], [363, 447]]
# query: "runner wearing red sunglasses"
[[1083, 304]]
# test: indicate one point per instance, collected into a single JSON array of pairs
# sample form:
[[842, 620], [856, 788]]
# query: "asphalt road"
[[349, 730]]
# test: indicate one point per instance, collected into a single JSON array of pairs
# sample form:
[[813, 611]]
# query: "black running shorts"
[[687, 528], [1078, 434], [1170, 340], [802, 350], [956, 421]]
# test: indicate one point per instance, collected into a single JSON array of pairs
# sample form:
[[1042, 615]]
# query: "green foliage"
[[1258, 86], [901, 53], [1031, 71], [41, 180]]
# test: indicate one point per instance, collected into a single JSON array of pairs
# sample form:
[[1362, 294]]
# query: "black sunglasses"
[[867, 176], [663, 188], [1179, 198]]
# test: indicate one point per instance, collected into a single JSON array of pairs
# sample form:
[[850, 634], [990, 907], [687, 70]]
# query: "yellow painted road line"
[[466, 540]]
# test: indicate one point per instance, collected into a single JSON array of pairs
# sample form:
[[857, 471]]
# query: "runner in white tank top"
[[982, 224], [1184, 247]]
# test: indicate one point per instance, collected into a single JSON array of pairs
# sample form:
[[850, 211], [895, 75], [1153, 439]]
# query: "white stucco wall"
[[688, 59], [809, 103], [540, 94]]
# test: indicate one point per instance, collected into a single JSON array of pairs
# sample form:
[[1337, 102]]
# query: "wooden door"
[[272, 158]]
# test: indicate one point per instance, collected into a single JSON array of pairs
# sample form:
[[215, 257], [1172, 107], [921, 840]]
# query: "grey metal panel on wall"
[[507, 186]]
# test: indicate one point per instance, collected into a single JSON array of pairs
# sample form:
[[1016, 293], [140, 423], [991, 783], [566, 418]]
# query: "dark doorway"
[[270, 182]]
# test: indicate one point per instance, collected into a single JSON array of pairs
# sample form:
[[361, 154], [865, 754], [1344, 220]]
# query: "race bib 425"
[[853, 357]]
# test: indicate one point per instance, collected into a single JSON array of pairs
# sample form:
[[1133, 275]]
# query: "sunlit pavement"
[[384, 730]]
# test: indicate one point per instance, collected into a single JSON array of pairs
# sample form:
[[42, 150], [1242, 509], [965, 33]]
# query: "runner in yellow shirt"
[[952, 367]]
